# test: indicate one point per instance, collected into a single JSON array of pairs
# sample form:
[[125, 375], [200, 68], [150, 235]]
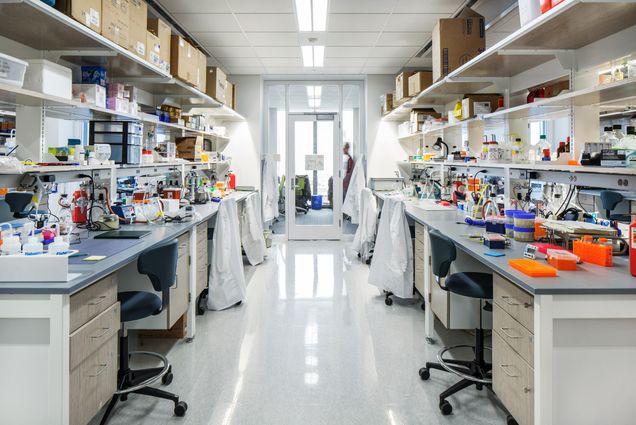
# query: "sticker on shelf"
[[314, 162]]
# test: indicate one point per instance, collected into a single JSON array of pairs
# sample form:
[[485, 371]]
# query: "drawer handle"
[[98, 300], [505, 332], [105, 331], [527, 390], [102, 369], [528, 305], [505, 367], [509, 300]]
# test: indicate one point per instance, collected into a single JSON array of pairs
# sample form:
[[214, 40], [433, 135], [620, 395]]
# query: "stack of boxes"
[[115, 99], [92, 89], [187, 62], [219, 88]]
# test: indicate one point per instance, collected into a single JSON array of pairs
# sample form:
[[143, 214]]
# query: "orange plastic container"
[[594, 253], [474, 185], [539, 232], [532, 268], [562, 260]]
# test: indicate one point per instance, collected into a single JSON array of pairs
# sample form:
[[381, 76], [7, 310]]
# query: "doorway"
[[314, 189]]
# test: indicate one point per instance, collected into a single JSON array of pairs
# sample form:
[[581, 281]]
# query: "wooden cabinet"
[[202, 258], [95, 320], [419, 259], [513, 349], [181, 288]]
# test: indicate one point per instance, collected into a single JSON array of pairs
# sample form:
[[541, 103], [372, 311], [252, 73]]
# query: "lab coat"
[[252, 230], [270, 189], [227, 280], [365, 234], [392, 264], [351, 205]]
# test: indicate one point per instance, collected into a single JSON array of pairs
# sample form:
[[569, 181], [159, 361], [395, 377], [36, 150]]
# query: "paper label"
[[93, 17], [141, 48], [314, 162]]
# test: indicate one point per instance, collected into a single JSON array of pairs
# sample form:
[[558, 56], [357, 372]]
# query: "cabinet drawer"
[[513, 381], [179, 292], [88, 338], [419, 249], [419, 232], [202, 233], [518, 337], [91, 301], [514, 301], [184, 244], [92, 383], [419, 262]]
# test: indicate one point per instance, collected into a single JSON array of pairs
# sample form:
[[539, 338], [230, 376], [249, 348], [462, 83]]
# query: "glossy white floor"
[[313, 344]]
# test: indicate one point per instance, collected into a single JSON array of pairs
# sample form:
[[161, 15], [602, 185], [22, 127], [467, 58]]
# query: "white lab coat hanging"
[[227, 280], [252, 230], [365, 233], [351, 205], [392, 264], [270, 189]]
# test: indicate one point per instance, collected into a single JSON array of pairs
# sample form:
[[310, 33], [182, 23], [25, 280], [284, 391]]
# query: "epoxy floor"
[[313, 344]]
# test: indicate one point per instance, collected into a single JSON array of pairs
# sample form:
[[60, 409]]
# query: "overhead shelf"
[[568, 26], [41, 27]]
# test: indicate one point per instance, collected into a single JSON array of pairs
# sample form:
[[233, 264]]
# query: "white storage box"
[[36, 268], [12, 70], [93, 94], [49, 78]]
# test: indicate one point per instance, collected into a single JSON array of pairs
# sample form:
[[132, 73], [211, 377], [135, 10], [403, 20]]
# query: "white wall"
[[245, 144], [383, 148]]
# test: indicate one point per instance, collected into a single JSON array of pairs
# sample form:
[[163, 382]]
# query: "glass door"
[[314, 187]]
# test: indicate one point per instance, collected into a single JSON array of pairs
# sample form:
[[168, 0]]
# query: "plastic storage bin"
[[524, 227], [12, 70], [316, 202], [49, 78], [510, 222]]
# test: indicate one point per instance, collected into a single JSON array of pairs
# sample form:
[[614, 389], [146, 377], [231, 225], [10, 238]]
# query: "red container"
[[232, 184], [545, 5], [172, 193]]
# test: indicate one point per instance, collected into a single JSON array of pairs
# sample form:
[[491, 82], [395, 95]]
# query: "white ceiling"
[[261, 36]]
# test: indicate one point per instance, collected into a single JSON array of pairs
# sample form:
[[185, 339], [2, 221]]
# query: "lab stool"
[[474, 285], [160, 265]]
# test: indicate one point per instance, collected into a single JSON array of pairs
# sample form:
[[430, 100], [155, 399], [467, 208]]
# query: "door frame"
[[309, 232]]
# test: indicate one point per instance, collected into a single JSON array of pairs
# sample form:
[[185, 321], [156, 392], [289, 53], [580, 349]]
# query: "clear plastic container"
[[12, 70], [524, 227], [543, 148], [617, 129], [518, 151], [59, 245], [629, 141], [510, 221], [609, 138], [33, 246], [11, 245]]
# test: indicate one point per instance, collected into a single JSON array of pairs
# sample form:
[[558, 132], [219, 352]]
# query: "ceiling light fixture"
[[312, 15], [313, 56]]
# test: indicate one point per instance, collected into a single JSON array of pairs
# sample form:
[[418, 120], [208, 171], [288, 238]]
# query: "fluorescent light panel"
[[312, 15], [319, 56], [313, 56]]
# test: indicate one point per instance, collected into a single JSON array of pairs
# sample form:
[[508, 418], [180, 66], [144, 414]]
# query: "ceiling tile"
[[195, 6], [344, 62], [232, 52], [225, 39], [278, 51], [282, 62], [386, 62], [267, 22], [273, 38], [260, 6], [394, 52], [347, 51], [381, 70], [214, 62], [274, 70], [359, 22], [429, 6], [414, 22], [357, 6], [208, 22], [404, 38], [341, 70], [246, 70], [241, 62], [352, 38], [426, 62]]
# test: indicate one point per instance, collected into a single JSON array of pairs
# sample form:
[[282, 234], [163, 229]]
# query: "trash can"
[[316, 202]]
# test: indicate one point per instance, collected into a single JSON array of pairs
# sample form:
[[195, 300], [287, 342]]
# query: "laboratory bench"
[[562, 347], [59, 340]]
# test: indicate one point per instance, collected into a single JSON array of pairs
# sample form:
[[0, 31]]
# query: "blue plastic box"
[[94, 75], [316, 202]]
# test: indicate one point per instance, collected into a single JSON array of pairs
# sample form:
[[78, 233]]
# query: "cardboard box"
[[87, 12], [479, 104], [402, 85], [183, 60], [202, 63], [189, 147], [137, 28], [456, 41], [229, 94], [116, 21], [93, 94], [387, 103], [153, 49], [419, 81], [216, 84], [162, 31]]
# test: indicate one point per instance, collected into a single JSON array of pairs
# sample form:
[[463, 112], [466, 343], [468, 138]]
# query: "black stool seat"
[[137, 305], [471, 284]]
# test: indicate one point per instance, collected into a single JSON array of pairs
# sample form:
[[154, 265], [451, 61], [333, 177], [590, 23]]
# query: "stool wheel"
[[180, 408], [388, 301], [425, 374], [423, 306], [511, 421], [167, 378], [445, 407]]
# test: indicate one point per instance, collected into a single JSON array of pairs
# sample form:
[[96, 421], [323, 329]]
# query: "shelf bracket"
[[566, 57]]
